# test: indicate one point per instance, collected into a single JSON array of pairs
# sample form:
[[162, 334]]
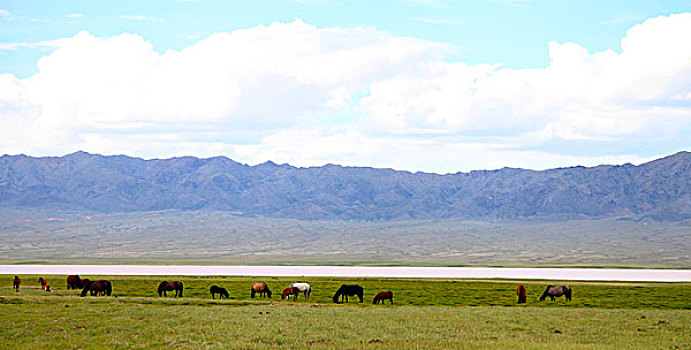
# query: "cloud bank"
[[292, 92]]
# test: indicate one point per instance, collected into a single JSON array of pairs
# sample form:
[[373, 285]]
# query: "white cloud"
[[308, 96], [76, 15], [6, 15]]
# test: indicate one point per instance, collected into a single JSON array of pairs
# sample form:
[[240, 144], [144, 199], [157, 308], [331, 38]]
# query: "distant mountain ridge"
[[660, 189]]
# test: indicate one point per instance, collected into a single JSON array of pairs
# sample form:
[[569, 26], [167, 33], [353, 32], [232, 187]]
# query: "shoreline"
[[539, 273]]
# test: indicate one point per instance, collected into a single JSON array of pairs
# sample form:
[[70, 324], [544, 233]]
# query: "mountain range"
[[660, 189]]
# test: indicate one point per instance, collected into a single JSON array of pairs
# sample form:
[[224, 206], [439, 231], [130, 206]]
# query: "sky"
[[420, 85]]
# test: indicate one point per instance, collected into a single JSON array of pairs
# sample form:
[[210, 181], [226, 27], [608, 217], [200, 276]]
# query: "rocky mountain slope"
[[660, 189]]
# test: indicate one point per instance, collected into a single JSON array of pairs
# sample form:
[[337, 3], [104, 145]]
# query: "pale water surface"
[[642, 275]]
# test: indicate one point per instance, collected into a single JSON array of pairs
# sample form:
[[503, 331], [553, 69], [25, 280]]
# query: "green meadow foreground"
[[427, 314]]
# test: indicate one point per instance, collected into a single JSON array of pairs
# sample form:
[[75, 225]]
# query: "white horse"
[[304, 288]]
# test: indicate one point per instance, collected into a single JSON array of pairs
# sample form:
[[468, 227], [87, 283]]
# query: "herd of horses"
[[104, 288]]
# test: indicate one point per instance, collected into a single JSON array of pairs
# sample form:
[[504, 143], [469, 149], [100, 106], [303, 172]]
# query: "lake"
[[579, 274]]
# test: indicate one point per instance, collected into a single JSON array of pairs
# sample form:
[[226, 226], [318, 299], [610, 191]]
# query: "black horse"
[[347, 290], [222, 292], [556, 291], [97, 288], [166, 286]]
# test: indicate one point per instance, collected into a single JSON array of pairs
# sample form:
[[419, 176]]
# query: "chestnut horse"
[[43, 282], [15, 283], [383, 296], [520, 291], [557, 291], [74, 282], [261, 288], [294, 291], [166, 286], [222, 292], [97, 288], [347, 290]]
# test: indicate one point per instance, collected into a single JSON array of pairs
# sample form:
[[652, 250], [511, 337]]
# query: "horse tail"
[[567, 292], [181, 288], [308, 292]]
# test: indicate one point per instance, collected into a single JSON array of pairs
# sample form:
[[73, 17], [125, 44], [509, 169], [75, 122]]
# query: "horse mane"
[[109, 288], [160, 287], [86, 288], [339, 292], [544, 294]]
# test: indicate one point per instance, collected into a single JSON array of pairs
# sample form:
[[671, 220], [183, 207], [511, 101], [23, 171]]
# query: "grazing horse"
[[557, 291], [15, 283], [261, 288], [97, 288], [222, 292], [166, 286], [47, 288], [304, 288], [43, 282], [74, 282], [294, 291], [383, 296], [347, 290], [520, 291]]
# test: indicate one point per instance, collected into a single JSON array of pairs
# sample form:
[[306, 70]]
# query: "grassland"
[[224, 238], [427, 314]]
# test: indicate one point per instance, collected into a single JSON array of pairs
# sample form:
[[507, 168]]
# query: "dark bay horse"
[[520, 291], [42, 281], [166, 286], [15, 283], [261, 288], [382, 297], [347, 290], [97, 288], [222, 292], [294, 291], [557, 291], [74, 282]]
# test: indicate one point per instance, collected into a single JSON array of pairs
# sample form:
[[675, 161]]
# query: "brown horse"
[[383, 296], [557, 291], [97, 288], [47, 288], [261, 288], [520, 291], [294, 291], [43, 282], [74, 282], [15, 283], [166, 286]]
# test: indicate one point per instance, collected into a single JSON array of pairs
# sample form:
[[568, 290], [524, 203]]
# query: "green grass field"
[[427, 314]]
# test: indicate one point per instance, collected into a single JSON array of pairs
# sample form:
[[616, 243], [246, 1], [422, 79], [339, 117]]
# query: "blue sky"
[[427, 85]]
